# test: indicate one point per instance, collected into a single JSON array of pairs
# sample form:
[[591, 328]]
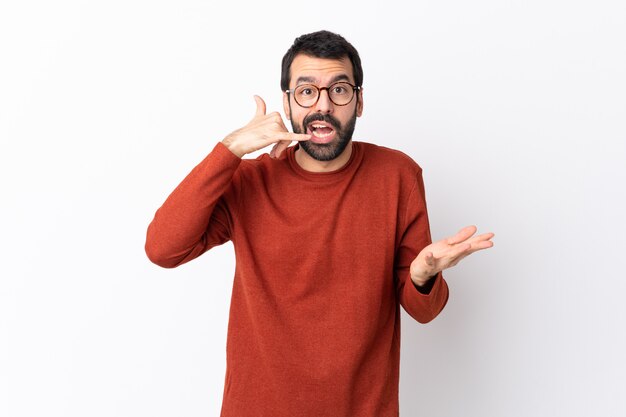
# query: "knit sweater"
[[322, 266]]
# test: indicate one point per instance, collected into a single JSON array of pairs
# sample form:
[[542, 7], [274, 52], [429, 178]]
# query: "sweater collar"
[[345, 170]]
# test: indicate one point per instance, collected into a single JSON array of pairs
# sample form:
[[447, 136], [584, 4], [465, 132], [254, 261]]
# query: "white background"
[[514, 109]]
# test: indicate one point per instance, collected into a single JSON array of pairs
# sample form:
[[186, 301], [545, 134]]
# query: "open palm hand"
[[446, 253]]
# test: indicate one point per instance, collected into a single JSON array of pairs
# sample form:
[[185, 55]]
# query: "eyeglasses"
[[307, 95]]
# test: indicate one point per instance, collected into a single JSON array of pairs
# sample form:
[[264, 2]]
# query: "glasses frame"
[[320, 89]]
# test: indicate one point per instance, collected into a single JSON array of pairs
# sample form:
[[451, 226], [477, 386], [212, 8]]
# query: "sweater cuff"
[[427, 287], [223, 151], [218, 161], [425, 307]]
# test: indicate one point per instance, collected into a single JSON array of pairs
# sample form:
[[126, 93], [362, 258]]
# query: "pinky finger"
[[288, 136]]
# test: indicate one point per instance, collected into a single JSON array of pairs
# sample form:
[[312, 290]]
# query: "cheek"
[[298, 118], [347, 115]]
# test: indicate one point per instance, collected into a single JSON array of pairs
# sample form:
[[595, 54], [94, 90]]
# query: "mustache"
[[318, 117]]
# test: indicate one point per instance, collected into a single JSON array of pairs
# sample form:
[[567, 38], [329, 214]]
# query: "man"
[[330, 236]]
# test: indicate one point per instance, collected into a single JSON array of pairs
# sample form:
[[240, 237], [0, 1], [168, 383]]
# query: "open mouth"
[[322, 132]]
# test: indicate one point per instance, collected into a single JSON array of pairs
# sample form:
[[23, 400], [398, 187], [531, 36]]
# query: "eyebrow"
[[306, 79]]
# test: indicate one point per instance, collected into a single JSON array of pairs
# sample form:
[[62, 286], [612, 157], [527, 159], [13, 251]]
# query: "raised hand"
[[261, 131], [446, 253]]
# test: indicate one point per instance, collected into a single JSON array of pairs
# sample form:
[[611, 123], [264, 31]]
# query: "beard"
[[331, 150]]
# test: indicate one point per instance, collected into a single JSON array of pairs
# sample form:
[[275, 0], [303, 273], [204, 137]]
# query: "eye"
[[339, 89], [306, 91]]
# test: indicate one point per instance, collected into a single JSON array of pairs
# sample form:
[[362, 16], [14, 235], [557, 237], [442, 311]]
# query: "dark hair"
[[322, 44]]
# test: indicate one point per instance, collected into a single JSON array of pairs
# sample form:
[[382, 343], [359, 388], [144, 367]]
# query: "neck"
[[308, 163]]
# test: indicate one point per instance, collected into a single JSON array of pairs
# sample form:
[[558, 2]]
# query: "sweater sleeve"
[[415, 237], [195, 217]]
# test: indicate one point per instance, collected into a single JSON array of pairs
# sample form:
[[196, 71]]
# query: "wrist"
[[422, 280], [232, 146]]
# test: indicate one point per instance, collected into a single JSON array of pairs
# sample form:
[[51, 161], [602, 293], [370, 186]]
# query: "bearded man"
[[331, 237]]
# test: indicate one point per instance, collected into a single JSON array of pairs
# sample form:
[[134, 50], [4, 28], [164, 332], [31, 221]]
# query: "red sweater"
[[322, 265]]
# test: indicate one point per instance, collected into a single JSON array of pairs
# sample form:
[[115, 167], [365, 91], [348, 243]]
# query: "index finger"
[[463, 234]]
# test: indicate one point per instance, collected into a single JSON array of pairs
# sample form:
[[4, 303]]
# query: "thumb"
[[260, 106], [430, 261]]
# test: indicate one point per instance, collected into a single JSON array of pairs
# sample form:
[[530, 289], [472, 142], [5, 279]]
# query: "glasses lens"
[[306, 95], [341, 93]]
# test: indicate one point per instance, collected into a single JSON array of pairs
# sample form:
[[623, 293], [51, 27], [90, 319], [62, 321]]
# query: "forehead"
[[319, 70]]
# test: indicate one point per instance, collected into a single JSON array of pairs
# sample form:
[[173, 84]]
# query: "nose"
[[324, 105]]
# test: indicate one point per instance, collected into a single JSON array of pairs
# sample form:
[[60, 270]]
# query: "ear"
[[286, 105], [359, 106]]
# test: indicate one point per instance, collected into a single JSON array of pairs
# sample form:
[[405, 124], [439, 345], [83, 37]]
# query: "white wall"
[[515, 110]]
